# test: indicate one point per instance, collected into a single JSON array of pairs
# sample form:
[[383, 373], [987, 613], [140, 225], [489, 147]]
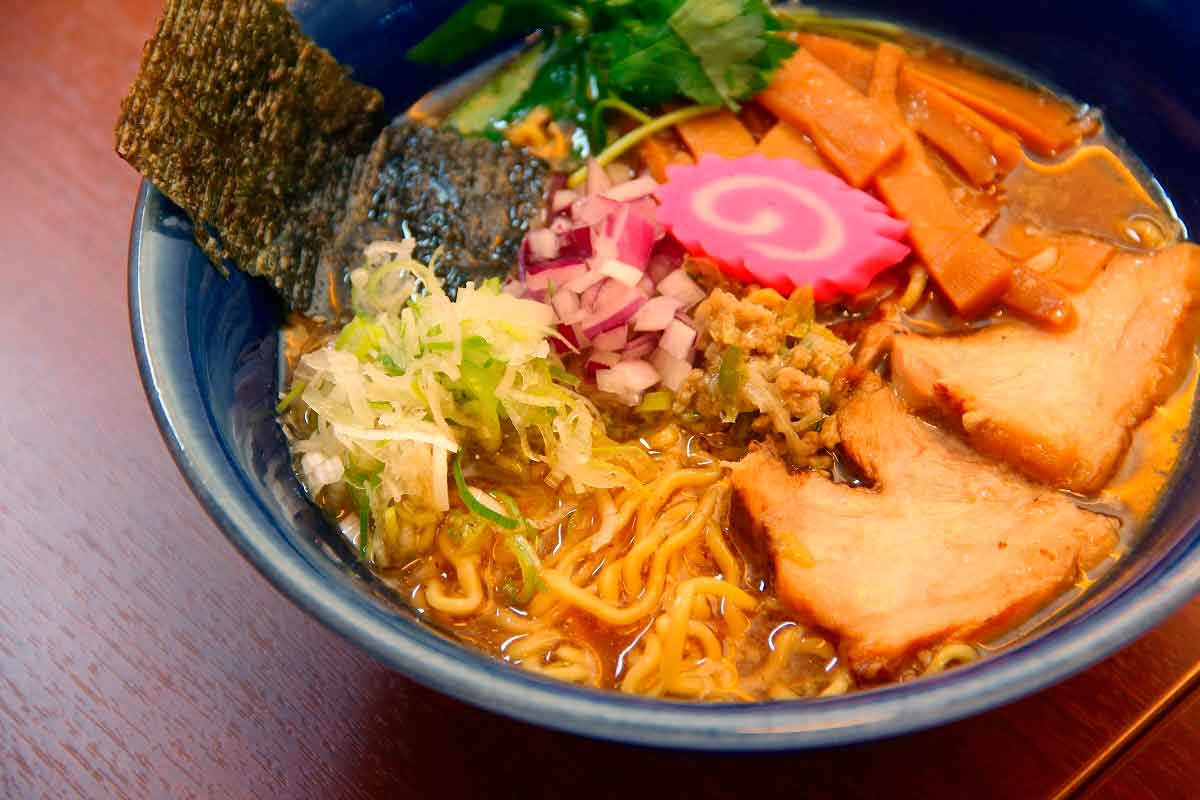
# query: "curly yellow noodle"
[[511, 621], [737, 622], [609, 582], [778, 657], [708, 640], [814, 646], [648, 515], [562, 586], [718, 548], [950, 654], [467, 572], [641, 669], [653, 568], [677, 630], [526, 646], [566, 559], [840, 684]]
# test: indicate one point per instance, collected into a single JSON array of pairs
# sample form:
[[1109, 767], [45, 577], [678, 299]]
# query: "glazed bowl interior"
[[207, 349]]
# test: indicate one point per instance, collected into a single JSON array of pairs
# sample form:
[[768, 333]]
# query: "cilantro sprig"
[[645, 52]]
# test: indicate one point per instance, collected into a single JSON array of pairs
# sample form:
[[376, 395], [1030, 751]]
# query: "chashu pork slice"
[[1061, 407], [946, 546]]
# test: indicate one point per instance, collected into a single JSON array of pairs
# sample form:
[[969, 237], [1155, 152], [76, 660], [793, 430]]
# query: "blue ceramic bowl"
[[206, 347]]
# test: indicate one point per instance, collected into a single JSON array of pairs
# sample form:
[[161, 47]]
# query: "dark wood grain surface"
[[140, 656]]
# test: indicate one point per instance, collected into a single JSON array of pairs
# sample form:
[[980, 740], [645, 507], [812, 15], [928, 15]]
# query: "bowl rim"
[[768, 726]]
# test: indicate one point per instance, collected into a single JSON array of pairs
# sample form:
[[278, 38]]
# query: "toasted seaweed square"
[[253, 130]]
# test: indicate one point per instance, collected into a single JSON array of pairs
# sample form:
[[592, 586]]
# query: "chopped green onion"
[[629, 140], [799, 312], [292, 396], [363, 500], [563, 376], [730, 377], [361, 337], [476, 507], [391, 525], [655, 402], [389, 365], [465, 530], [522, 550]]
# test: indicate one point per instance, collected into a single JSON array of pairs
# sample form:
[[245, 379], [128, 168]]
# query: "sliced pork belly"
[[947, 545], [1061, 407]]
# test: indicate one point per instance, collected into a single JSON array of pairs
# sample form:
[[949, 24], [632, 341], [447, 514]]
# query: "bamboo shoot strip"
[[847, 128]]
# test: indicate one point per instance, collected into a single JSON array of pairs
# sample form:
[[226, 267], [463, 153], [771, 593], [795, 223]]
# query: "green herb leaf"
[[715, 52], [657, 66], [731, 41]]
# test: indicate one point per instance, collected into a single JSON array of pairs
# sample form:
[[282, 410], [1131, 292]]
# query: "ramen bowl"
[[207, 349]]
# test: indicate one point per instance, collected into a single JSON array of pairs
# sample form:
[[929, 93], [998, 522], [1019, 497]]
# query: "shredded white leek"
[[417, 377]]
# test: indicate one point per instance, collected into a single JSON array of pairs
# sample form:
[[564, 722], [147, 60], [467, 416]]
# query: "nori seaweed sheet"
[[252, 129], [472, 198], [266, 142]]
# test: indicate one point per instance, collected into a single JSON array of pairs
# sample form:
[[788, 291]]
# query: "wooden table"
[[140, 656]]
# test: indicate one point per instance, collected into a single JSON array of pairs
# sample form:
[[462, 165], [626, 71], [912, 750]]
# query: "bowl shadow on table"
[[421, 742]]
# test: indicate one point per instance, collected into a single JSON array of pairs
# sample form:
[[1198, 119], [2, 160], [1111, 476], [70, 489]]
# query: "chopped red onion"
[[627, 380], [560, 276], [580, 336], [672, 370], [562, 200], [632, 235], [640, 346], [566, 306], [666, 258], [678, 339], [599, 360], [632, 190], [609, 293], [612, 340], [598, 180], [592, 210], [619, 271], [543, 244], [612, 313], [586, 281], [680, 286], [574, 245], [656, 315], [588, 298]]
